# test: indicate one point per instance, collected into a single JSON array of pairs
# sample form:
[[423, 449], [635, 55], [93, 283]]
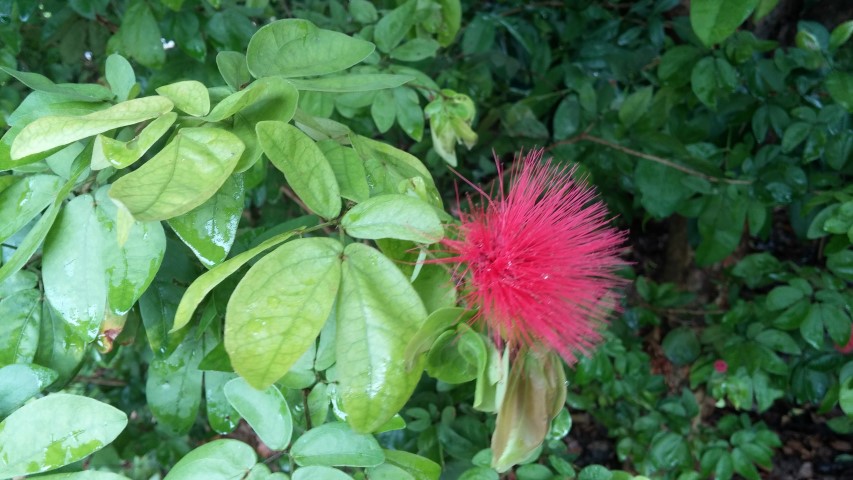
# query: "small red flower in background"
[[540, 259], [721, 366]]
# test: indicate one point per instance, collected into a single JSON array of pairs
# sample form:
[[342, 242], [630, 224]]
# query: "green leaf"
[[681, 346], [297, 48], [140, 37], [85, 475], [19, 382], [279, 308], [189, 96], [779, 341], [223, 459], [120, 77], [794, 135], [383, 110], [232, 67], [393, 216], [782, 297], [277, 101], [840, 87], [457, 357], [210, 229], [635, 106], [173, 389], [841, 264], [659, 202], [210, 279], [46, 133], [388, 166], [409, 114], [221, 416], [812, 327], [73, 268], [415, 50], [348, 168], [451, 21], [335, 444], [37, 234], [319, 472], [110, 152], [54, 431], [353, 82], [182, 176], [721, 226], [69, 91], [567, 118], [304, 166], [24, 199], [419, 467], [363, 11], [378, 312], [715, 20], [61, 346], [266, 412], [391, 29], [19, 332], [840, 34]]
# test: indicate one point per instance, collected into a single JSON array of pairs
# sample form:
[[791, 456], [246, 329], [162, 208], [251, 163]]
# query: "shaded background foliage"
[[730, 165]]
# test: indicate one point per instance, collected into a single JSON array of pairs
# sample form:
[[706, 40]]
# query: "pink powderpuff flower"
[[539, 260], [721, 366]]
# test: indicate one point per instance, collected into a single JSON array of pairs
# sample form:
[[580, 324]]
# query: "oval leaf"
[[24, 199], [714, 20], [182, 176], [393, 216], [279, 308], [218, 460], [210, 229], [209, 280], [19, 382], [297, 48], [336, 445], [303, 164], [189, 96], [111, 152], [266, 412], [318, 472], [378, 313], [54, 431], [50, 132]]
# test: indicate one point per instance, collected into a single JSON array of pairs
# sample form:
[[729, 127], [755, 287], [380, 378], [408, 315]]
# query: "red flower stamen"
[[538, 261]]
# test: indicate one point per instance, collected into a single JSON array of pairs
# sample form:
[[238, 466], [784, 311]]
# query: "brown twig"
[[586, 137], [107, 382]]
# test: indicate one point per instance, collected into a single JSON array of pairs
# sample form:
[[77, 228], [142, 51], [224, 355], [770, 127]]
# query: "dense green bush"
[[156, 150]]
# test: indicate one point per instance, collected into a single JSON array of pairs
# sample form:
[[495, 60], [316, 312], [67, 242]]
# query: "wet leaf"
[[223, 459], [266, 411], [335, 444]]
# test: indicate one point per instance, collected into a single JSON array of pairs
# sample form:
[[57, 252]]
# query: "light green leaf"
[[111, 152], [348, 168], [635, 106], [182, 176], [61, 346], [410, 115], [266, 411], [24, 199], [221, 415], [335, 444], [415, 50], [279, 308], [210, 279], [451, 21], [393, 216], [223, 459], [840, 87], [210, 229], [387, 166], [391, 28], [46, 133], [297, 48], [131, 262], [19, 382], [40, 230], [419, 467], [714, 20], [84, 475], [54, 431], [383, 110], [378, 312], [71, 91], [304, 166], [319, 472], [353, 82], [173, 389], [277, 102], [232, 67], [19, 330], [189, 96], [840, 34], [120, 77], [73, 267]]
